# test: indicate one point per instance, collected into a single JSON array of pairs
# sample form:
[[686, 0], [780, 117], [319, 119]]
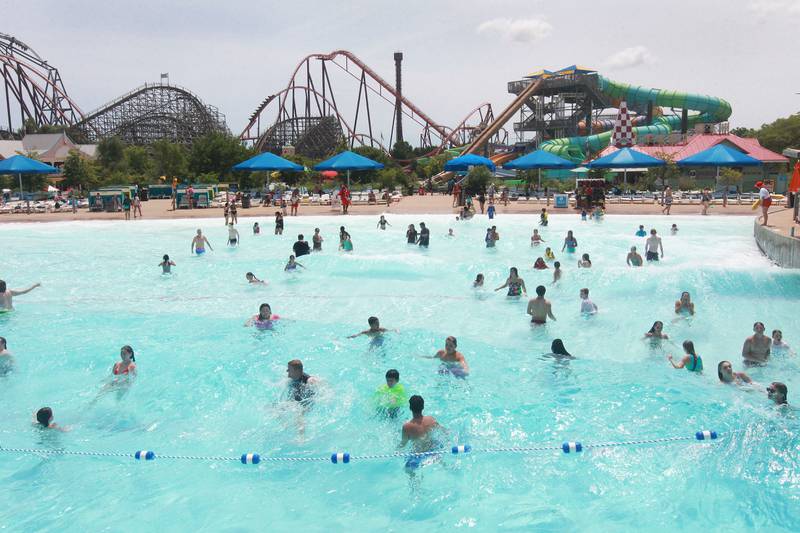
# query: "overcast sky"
[[457, 53]]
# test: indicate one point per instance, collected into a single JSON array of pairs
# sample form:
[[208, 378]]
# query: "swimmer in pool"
[[570, 243], [539, 308], [690, 361], [777, 392], [588, 307], [585, 262], [7, 295], [375, 329], [543, 217], [316, 241], [253, 280], [556, 272], [684, 305], [166, 265], [43, 418], [727, 375], [757, 347], [256, 229], [536, 238], [656, 332], [777, 341], [641, 232], [199, 243], [233, 235], [6, 359], [652, 246], [558, 350], [478, 283], [674, 229], [515, 284], [264, 319], [450, 233], [548, 254], [634, 259], [390, 397], [302, 387], [539, 264], [382, 223], [419, 431], [127, 365], [292, 265], [453, 361]]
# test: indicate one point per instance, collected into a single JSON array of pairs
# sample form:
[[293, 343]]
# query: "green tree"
[[402, 150], [169, 159], [477, 179], [77, 172], [781, 134], [744, 132], [216, 153], [110, 153], [138, 160], [729, 177], [670, 171]]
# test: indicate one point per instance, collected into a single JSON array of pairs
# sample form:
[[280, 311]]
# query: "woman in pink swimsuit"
[[128, 365]]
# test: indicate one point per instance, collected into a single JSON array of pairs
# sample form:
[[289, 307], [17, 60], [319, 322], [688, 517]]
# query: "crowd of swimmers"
[[390, 397]]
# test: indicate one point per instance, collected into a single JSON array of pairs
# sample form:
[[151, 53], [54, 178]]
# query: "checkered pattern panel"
[[623, 128]]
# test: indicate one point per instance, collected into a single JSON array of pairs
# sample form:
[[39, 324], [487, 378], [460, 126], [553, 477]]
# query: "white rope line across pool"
[[346, 457]]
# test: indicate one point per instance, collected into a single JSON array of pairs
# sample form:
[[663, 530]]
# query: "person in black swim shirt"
[[424, 235], [301, 247], [302, 387]]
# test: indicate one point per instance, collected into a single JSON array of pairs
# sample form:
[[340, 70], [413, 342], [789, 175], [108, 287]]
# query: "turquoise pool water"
[[209, 386]]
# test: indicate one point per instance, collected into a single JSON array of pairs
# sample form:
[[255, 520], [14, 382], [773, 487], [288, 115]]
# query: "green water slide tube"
[[707, 109]]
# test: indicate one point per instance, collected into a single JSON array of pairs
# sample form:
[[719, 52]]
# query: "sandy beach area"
[[429, 204]]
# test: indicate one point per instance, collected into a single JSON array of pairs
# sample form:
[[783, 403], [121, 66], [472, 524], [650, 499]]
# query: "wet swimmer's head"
[[126, 353], [165, 258], [294, 369], [450, 343], [44, 416], [557, 264], [300, 237], [373, 322], [758, 327], [513, 272], [657, 327], [777, 392], [392, 378], [416, 403], [557, 347], [540, 290], [3, 344], [479, 279], [725, 371], [199, 231], [653, 231], [250, 276], [688, 347], [685, 297], [264, 311], [777, 335]]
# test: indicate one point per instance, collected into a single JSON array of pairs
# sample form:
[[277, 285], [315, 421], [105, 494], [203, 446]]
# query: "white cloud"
[[519, 30], [765, 9], [629, 57]]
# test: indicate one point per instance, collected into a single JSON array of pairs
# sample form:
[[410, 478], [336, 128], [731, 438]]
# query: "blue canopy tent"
[[539, 160], [19, 164], [464, 162], [348, 161], [268, 161], [720, 155], [626, 158]]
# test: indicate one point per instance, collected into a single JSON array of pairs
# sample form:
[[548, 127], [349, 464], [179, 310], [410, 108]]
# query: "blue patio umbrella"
[[719, 155], [19, 164], [626, 158], [268, 161], [464, 162], [348, 161], [539, 160]]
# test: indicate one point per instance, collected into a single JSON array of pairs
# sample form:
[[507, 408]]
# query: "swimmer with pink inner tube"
[[264, 319], [453, 361]]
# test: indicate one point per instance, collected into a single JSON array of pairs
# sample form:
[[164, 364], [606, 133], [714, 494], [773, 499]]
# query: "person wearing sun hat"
[[765, 200]]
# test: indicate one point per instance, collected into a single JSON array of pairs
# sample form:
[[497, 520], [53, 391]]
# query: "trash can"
[[246, 201]]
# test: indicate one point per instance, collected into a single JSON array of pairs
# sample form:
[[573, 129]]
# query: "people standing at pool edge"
[[652, 246], [757, 347], [199, 243], [667, 200], [539, 308], [765, 199], [7, 295]]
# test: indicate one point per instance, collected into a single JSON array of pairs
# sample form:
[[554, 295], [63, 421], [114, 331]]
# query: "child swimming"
[[166, 265]]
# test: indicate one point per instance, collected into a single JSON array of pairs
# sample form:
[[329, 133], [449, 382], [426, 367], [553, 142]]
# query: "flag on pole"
[[164, 75]]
